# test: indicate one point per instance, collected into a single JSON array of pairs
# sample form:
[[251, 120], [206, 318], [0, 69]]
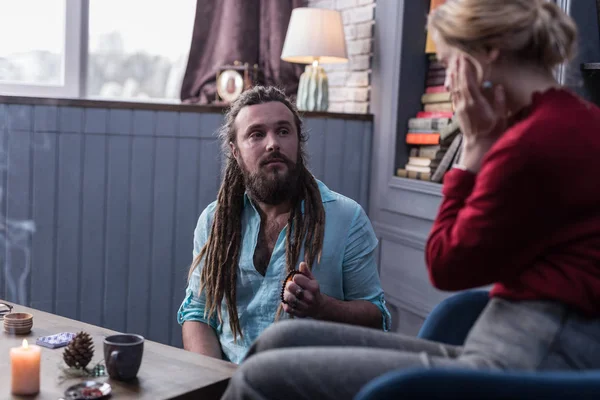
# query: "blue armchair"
[[449, 322]]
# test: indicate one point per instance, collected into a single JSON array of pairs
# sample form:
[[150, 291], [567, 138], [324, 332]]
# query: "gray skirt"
[[532, 335]]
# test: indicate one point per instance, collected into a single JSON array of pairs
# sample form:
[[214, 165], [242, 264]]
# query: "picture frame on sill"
[[233, 80]]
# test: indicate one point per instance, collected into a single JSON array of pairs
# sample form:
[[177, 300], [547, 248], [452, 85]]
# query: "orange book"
[[422, 138], [430, 46]]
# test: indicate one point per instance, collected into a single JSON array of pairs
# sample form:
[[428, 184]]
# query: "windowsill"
[[157, 105]]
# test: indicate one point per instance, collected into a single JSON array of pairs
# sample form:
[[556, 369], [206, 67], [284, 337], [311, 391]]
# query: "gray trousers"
[[321, 360]]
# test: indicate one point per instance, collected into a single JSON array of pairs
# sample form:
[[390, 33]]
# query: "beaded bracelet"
[[288, 278]]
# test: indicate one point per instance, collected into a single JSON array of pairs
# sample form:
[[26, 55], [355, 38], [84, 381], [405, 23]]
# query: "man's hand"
[[303, 295]]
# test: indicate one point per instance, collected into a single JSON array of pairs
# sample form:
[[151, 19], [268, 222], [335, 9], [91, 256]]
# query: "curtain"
[[251, 31]]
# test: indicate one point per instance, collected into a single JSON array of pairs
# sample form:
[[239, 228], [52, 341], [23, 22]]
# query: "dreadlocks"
[[222, 250]]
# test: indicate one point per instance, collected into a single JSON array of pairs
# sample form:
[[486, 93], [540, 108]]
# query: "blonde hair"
[[533, 30]]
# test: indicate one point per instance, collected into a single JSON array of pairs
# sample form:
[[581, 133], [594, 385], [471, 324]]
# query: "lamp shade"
[[315, 34]]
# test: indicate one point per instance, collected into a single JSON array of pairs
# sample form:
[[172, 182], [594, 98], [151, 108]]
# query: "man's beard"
[[275, 186]]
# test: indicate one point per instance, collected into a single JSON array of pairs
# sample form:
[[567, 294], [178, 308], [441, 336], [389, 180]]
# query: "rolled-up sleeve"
[[361, 278], [193, 306]]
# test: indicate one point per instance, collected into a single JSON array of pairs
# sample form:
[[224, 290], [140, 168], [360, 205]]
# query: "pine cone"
[[80, 351]]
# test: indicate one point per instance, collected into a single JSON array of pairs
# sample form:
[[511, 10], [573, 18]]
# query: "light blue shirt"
[[347, 271]]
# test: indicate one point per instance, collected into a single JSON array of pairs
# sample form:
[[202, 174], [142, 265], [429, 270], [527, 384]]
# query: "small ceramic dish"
[[88, 390], [18, 323]]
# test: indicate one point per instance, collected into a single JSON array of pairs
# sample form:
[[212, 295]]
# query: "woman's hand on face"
[[481, 115]]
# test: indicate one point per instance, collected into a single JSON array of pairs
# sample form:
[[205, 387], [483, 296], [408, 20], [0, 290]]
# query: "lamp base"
[[313, 89]]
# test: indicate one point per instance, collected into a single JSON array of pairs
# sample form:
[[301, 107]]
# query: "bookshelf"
[[413, 71], [423, 134], [581, 75]]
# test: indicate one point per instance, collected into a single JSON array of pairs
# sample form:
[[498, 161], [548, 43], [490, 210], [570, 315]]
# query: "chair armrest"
[[449, 384], [451, 320]]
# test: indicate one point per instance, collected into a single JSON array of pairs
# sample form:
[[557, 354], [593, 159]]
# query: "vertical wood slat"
[[140, 233], [20, 117], [117, 232], [44, 162], [92, 231], [69, 214], [315, 146], [17, 244], [210, 161], [120, 121], [186, 199], [208, 173], [44, 214], [365, 175], [334, 155], [45, 119], [352, 159], [67, 219], [159, 312]]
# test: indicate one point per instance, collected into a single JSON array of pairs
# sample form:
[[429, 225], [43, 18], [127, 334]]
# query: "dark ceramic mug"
[[123, 355]]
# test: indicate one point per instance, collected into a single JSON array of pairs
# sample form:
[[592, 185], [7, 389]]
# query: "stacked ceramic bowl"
[[18, 323]]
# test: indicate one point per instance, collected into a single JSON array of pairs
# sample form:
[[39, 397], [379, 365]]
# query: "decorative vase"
[[313, 89]]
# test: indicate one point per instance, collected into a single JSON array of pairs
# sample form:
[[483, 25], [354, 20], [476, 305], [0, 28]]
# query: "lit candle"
[[25, 369]]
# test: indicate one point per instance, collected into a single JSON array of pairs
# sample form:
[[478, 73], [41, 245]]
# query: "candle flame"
[[25, 345]]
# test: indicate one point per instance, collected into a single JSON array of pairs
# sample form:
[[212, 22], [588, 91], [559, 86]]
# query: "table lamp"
[[315, 36]]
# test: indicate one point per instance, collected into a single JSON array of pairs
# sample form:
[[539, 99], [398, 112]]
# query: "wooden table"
[[166, 372]]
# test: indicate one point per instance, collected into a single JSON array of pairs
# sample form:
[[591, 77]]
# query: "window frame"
[[75, 59]]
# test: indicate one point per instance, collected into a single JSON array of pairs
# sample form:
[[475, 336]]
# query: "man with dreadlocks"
[[273, 218]]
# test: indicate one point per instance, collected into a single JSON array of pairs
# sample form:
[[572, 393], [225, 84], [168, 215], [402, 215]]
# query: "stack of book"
[[433, 138], [424, 130], [448, 152]]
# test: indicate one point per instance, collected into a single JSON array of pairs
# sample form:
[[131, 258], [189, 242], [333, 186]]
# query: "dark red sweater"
[[530, 220]]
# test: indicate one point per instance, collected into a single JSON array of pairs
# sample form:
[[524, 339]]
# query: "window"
[[39, 50], [34, 58], [116, 49], [138, 48]]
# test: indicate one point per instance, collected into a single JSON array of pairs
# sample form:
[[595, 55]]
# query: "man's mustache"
[[275, 157]]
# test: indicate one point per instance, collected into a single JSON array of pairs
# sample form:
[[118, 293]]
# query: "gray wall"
[[115, 195], [402, 210]]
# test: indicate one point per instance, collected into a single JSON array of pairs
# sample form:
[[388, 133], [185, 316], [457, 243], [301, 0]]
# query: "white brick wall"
[[350, 83]]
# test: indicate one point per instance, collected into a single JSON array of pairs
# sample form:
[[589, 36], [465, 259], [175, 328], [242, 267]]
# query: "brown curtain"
[[251, 31]]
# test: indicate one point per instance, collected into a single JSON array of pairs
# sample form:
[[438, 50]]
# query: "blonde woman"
[[521, 211]]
